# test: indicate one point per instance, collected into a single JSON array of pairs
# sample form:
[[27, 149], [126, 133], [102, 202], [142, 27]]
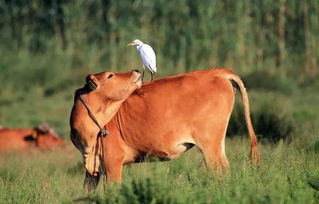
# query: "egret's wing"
[[148, 57]]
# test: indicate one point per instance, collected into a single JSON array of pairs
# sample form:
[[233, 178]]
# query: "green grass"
[[286, 174], [272, 45]]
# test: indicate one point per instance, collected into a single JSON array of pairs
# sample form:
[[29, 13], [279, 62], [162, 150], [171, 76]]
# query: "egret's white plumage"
[[147, 54]]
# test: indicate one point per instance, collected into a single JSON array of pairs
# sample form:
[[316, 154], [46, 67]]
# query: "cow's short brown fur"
[[110, 91], [28, 139], [164, 118]]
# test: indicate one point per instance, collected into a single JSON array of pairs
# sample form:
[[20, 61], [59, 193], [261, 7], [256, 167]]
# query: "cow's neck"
[[103, 110], [132, 107]]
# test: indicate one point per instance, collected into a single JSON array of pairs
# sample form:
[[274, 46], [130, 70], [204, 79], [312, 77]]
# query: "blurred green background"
[[47, 47]]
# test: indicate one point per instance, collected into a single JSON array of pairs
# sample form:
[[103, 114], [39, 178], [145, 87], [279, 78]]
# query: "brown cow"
[[164, 118], [42, 137], [112, 90]]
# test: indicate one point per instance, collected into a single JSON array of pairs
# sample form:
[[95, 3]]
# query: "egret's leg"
[[152, 76], [143, 74]]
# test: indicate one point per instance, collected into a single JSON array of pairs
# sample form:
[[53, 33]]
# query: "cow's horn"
[[44, 127]]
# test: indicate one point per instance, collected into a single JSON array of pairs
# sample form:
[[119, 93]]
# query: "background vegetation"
[[47, 47]]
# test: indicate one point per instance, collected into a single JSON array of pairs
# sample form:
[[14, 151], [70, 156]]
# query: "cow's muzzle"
[[90, 84]]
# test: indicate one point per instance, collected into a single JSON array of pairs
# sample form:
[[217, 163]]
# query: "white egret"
[[148, 56]]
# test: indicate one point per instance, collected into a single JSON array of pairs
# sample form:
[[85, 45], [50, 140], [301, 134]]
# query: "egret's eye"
[[110, 76]]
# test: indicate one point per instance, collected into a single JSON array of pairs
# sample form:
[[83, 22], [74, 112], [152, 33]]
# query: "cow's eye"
[[110, 76]]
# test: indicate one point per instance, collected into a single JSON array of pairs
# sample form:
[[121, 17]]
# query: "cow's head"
[[103, 93], [114, 86], [46, 138]]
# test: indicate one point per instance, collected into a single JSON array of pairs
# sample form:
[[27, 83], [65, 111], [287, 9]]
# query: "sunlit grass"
[[288, 172], [282, 176]]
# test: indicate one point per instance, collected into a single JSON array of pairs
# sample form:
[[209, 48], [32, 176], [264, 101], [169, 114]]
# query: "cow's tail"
[[254, 154]]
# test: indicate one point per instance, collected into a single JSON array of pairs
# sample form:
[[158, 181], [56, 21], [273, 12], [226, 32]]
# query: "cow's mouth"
[[90, 84]]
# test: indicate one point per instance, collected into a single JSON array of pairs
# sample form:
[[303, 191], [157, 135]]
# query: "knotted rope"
[[102, 133]]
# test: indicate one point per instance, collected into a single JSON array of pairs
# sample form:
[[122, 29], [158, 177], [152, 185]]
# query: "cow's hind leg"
[[214, 155], [212, 145], [91, 182]]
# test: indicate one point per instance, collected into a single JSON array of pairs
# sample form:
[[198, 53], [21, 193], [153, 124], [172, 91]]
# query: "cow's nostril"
[[136, 70]]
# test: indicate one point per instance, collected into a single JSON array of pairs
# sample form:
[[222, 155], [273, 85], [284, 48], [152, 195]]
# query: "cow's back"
[[170, 111], [15, 139]]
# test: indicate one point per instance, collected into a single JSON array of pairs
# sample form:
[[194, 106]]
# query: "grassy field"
[[288, 172], [285, 117], [48, 47]]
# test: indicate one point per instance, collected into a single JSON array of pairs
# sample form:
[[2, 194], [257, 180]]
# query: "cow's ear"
[[91, 82]]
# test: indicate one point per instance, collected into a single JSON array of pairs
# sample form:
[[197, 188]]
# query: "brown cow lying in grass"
[[164, 118], [42, 137]]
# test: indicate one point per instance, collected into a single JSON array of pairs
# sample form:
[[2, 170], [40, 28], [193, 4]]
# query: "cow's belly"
[[178, 149], [169, 146]]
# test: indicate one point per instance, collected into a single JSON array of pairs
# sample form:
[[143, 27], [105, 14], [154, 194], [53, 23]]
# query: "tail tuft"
[[238, 83], [254, 154]]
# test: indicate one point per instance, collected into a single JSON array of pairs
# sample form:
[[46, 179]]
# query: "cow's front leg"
[[114, 159], [114, 171], [116, 154]]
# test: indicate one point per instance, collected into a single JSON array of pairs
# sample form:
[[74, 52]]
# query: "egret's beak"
[[130, 44]]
